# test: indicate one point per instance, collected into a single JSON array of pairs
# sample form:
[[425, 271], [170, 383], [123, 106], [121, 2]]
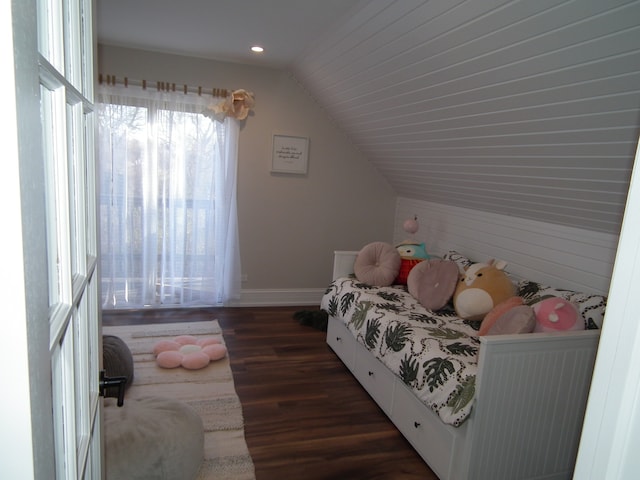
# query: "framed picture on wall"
[[290, 154]]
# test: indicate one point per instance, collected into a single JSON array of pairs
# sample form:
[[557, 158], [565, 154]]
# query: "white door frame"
[[28, 435], [15, 414], [611, 433]]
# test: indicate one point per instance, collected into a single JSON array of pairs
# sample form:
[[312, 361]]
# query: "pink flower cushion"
[[188, 352], [377, 264]]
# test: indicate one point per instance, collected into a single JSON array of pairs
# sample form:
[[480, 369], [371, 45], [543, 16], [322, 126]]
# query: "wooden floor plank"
[[306, 417]]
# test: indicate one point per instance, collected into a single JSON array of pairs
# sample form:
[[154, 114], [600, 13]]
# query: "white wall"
[[289, 225], [563, 257], [611, 434]]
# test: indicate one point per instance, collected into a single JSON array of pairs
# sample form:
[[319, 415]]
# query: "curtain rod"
[[163, 86]]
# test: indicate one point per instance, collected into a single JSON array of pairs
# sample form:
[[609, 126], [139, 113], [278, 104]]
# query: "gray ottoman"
[[152, 438], [117, 361]]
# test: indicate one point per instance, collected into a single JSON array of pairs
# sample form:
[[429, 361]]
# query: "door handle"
[[112, 382]]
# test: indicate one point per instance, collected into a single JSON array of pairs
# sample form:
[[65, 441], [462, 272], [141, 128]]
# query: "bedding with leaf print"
[[433, 353]]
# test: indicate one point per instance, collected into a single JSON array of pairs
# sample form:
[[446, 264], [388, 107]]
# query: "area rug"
[[209, 391]]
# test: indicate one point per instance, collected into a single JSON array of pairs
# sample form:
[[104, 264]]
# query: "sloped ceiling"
[[523, 108]]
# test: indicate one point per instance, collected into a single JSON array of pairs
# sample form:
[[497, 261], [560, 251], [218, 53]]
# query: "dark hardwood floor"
[[306, 416]]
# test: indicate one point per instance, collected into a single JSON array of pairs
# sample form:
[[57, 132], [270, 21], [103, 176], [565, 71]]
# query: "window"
[[167, 209]]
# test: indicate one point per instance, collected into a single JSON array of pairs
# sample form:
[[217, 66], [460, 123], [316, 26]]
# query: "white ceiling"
[[220, 29], [523, 108]]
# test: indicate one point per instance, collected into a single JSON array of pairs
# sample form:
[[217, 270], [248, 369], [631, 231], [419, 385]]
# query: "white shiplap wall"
[[523, 108], [560, 256]]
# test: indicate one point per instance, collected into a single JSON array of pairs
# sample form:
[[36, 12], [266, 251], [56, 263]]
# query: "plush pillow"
[[433, 282], [415, 250], [520, 319], [555, 314], [377, 264], [591, 306], [152, 437], [117, 361], [406, 265], [411, 254], [483, 286], [497, 312]]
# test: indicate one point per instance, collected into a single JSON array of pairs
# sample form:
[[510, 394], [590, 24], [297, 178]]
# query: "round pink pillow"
[[519, 319], [498, 311], [432, 282], [377, 264]]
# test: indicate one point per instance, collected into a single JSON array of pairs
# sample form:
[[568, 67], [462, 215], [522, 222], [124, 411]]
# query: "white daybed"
[[527, 413]]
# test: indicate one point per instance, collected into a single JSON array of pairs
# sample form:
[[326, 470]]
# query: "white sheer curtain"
[[167, 175]]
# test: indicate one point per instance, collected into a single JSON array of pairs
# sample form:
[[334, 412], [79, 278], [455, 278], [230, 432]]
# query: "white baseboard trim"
[[272, 297]]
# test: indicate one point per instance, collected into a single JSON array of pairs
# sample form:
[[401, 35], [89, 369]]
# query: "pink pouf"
[[188, 352]]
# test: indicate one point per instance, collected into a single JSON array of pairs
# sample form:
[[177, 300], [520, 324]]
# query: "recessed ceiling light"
[[257, 49]]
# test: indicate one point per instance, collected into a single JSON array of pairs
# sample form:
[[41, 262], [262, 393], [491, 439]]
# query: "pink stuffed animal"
[[189, 352], [557, 314]]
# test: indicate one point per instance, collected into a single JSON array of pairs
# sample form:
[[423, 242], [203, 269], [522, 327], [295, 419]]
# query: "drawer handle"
[[416, 424], [370, 373], [338, 339]]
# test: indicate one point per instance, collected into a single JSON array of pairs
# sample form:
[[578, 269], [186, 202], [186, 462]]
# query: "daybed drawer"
[[431, 438], [375, 377], [342, 342]]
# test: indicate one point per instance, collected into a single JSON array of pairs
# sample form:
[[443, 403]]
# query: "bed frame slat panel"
[[530, 401]]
